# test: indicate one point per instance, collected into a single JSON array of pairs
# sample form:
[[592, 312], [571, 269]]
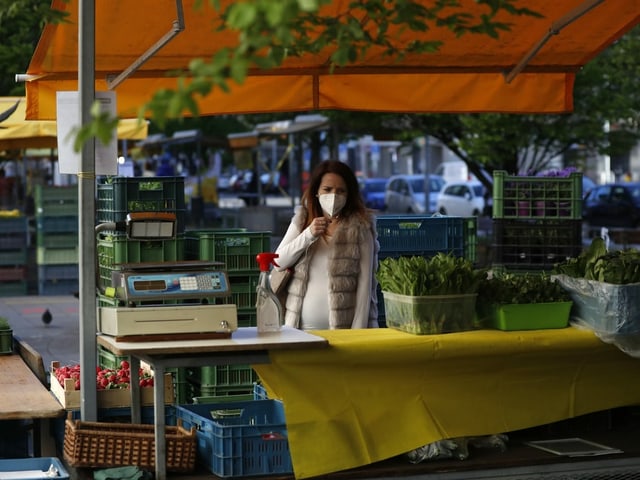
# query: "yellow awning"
[[16, 133], [466, 75]]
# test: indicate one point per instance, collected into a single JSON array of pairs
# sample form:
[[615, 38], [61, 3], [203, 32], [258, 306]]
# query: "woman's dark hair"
[[353, 206]]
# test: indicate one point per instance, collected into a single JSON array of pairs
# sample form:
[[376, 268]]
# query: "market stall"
[[374, 394]]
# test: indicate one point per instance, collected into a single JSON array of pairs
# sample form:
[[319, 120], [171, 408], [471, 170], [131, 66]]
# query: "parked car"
[[463, 199], [372, 190], [587, 185], [613, 205], [406, 193]]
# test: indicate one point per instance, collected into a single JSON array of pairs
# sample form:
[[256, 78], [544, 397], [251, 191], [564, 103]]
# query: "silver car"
[[406, 193]]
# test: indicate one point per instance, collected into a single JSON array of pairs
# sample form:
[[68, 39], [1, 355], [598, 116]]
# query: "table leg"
[[134, 383], [47, 446], [159, 416]]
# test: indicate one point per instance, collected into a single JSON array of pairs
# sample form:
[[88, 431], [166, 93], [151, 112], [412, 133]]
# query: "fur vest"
[[343, 271]]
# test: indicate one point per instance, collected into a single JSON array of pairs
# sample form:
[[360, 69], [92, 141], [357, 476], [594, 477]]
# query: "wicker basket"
[[103, 444]]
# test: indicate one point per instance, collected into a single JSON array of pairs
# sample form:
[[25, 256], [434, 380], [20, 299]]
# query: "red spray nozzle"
[[265, 259]]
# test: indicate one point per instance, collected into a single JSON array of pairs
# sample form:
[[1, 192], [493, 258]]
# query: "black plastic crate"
[[535, 244]]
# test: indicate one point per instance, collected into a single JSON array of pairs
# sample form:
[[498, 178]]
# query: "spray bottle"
[[268, 309]]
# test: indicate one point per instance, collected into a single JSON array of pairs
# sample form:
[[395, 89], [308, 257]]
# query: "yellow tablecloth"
[[373, 394]]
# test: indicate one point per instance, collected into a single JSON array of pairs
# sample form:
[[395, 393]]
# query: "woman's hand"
[[319, 226]]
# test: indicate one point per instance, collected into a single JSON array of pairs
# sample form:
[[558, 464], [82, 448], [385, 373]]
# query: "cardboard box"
[[69, 397]]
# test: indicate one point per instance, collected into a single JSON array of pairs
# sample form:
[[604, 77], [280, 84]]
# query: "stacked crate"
[[236, 249], [537, 221], [120, 196], [425, 236], [57, 239], [14, 238], [116, 198]]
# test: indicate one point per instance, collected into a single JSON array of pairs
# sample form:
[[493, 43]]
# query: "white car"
[[462, 199]]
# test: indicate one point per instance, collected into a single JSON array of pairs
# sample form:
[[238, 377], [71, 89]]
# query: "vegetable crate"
[[69, 397], [239, 439], [535, 244], [236, 248], [433, 314], [537, 197], [120, 196], [101, 445], [409, 235]]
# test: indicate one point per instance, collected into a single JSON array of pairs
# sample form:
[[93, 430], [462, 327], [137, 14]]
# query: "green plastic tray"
[[531, 316]]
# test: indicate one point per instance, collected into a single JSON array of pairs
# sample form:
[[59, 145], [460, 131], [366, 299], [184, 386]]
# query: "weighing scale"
[[147, 287]]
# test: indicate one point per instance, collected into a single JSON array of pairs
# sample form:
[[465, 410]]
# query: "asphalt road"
[[60, 339]]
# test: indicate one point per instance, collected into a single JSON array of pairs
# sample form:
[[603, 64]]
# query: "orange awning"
[[465, 75], [16, 133]]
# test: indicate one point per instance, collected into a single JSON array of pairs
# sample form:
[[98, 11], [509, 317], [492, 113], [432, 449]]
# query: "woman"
[[332, 246]]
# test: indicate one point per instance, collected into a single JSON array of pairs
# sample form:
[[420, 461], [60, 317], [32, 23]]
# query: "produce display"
[[441, 274], [509, 288], [106, 378], [429, 295], [618, 267]]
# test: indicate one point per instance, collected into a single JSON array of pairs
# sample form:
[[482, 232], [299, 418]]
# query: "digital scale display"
[[176, 284]]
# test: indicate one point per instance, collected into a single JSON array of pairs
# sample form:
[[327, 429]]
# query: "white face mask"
[[332, 203]]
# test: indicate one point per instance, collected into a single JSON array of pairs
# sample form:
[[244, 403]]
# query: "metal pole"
[[86, 215]]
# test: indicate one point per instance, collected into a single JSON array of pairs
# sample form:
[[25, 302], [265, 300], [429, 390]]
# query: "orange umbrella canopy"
[[467, 74]]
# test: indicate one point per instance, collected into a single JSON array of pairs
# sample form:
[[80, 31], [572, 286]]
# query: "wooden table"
[[24, 397], [246, 346]]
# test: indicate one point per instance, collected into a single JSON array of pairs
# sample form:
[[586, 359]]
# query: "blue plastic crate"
[[22, 465], [405, 235], [244, 438]]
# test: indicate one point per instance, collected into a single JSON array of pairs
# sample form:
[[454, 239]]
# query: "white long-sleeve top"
[[315, 306]]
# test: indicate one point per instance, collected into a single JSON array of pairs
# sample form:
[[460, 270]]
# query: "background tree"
[[21, 22]]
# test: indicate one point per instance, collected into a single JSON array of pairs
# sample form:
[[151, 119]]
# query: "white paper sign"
[[68, 118]]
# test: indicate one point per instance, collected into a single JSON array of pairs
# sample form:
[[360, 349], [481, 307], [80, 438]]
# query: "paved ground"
[[60, 339]]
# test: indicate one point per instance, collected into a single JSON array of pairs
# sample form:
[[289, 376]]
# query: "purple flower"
[[564, 172]]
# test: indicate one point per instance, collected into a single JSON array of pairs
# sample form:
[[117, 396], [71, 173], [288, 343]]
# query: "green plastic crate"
[[107, 359], [13, 257], [56, 256], [12, 288], [117, 249], [14, 225], [524, 197], [13, 233], [243, 290], [62, 224], [120, 196], [236, 249], [56, 201], [56, 239], [242, 376], [247, 317]]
